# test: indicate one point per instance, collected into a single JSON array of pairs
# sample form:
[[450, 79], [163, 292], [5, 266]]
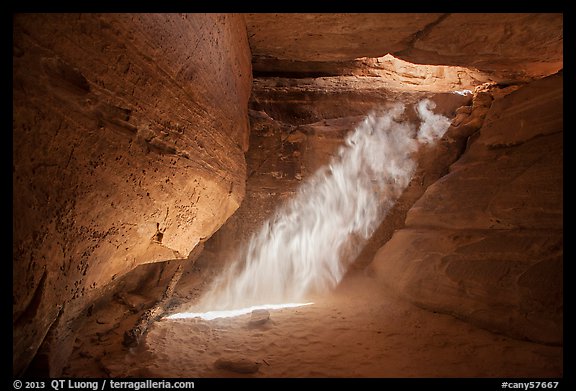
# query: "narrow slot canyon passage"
[[399, 174]]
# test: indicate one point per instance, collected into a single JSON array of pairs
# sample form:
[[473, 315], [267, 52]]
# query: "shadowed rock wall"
[[518, 46], [485, 242], [129, 132]]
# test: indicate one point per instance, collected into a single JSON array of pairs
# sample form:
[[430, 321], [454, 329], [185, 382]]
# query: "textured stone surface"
[[485, 242], [127, 149], [259, 317], [515, 44], [387, 71], [129, 132], [305, 101], [520, 175], [332, 37], [297, 126], [509, 46]]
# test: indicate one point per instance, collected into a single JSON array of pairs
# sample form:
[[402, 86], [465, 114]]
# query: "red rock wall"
[[485, 242], [129, 133], [518, 46], [128, 140]]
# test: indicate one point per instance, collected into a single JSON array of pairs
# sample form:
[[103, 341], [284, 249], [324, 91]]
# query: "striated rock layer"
[[485, 242], [520, 46], [127, 149], [297, 126], [129, 134]]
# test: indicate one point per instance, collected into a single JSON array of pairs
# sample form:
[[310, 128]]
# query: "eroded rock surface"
[[509, 46], [297, 126], [129, 134], [127, 149], [485, 242]]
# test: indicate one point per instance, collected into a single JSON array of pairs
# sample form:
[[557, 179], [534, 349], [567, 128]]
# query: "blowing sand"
[[356, 332]]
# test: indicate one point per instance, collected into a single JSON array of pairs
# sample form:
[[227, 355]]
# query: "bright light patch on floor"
[[463, 92], [210, 315]]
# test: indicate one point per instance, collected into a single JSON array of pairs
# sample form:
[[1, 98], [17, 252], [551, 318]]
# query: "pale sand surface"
[[358, 331]]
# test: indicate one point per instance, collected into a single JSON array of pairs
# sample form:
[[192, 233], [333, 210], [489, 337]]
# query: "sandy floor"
[[350, 334]]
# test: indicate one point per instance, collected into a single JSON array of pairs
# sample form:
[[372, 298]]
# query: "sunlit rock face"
[[485, 242], [297, 126], [130, 134], [128, 148], [509, 46]]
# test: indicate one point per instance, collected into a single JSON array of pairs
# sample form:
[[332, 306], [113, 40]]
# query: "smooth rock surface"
[[485, 242]]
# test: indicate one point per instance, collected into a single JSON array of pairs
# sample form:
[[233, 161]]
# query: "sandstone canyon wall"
[[297, 126], [129, 132], [485, 242], [508, 47], [515, 159]]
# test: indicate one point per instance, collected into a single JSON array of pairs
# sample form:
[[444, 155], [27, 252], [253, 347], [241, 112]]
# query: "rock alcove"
[[147, 148]]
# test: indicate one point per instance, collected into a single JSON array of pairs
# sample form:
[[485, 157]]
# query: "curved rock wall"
[[485, 242], [129, 132]]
